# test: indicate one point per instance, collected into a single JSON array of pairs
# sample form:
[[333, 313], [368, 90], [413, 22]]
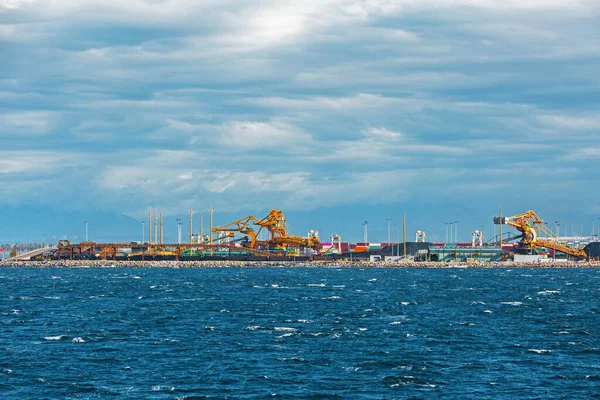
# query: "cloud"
[[310, 104], [571, 123], [257, 135], [26, 123]]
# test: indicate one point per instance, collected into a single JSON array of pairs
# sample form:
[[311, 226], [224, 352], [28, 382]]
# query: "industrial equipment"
[[278, 237], [335, 246], [529, 224], [477, 238]]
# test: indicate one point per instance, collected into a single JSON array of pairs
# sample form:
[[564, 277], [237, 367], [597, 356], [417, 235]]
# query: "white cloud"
[[257, 135], [298, 103], [572, 123], [27, 123], [382, 134]]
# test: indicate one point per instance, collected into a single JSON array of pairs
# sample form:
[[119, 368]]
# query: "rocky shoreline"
[[271, 264]]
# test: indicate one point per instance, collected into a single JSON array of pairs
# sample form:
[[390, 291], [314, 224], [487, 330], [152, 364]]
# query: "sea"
[[299, 333]]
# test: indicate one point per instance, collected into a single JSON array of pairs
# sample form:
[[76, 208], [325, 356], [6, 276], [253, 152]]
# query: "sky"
[[335, 111]]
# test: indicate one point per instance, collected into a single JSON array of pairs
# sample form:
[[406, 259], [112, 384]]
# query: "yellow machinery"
[[276, 226], [529, 224]]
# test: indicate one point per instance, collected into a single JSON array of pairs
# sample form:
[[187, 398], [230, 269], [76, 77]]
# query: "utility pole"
[[178, 231], [366, 232]]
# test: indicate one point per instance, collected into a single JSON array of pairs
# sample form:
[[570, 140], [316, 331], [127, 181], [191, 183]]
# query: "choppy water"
[[300, 333]]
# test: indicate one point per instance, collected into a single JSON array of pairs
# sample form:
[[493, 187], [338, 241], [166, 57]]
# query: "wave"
[[546, 292], [539, 351], [59, 337]]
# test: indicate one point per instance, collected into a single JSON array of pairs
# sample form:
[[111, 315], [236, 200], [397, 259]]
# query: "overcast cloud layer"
[[300, 105]]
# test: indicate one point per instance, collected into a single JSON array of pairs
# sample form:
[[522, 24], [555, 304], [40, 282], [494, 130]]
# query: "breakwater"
[[305, 264]]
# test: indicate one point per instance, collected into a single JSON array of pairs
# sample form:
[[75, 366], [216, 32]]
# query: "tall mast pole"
[[201, 226], [191, 226], [150, 226], [501, 222], [210, 240], [155, 226], [404, 232]]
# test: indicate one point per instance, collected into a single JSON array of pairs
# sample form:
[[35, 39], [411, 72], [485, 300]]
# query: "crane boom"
[[276, 224], [529, 224]]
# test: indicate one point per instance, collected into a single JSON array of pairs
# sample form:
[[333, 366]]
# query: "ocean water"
[[299, 333]]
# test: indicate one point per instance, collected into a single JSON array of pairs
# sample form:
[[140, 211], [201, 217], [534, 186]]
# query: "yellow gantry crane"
[[276, 226], [530, 224]]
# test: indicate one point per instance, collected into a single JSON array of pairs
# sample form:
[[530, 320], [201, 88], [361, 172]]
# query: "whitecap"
[[395, 323], [539, 351], [546, 292], [286, 335], [405, 303], [253, 328], [305, 321], [316, 284], [59, 337], [362, 329], [373, 280], [488, 311], [78, 340], [512, 303], [284, 328]]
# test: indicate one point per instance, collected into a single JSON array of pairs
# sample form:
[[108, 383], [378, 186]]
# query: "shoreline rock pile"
[[301, 264]]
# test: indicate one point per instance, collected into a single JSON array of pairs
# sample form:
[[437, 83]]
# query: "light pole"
[[446, 223], [389, 221], [456, 231], [178, 231], [143, 231]]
